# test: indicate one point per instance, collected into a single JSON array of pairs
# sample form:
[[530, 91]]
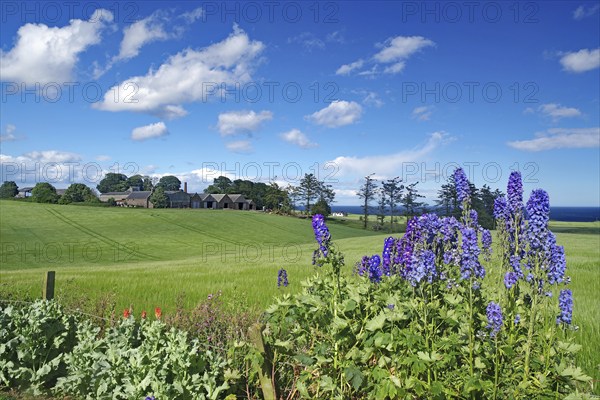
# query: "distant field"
[[148, 258]]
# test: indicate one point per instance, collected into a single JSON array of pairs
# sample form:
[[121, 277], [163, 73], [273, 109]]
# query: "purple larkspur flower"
[[374, 271], [494, 317], [282, 278], [538, 208], [391, 306], [322, 234], [514, 191], [469, 265], [517, 319], [463, 191], [515, 263], [510, 279], [388, 247], [557, 263], [565, 303], [362, 266], [486, 242], [501, 208]]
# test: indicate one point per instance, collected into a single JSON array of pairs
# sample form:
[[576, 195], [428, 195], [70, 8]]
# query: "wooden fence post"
[[48, 289], [264, 374]]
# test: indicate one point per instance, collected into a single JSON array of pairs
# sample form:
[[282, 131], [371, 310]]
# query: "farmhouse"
[[181, 199], [24, 192]]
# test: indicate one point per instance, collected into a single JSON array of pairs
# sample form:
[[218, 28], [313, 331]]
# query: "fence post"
[[264, 373], [48, 289]]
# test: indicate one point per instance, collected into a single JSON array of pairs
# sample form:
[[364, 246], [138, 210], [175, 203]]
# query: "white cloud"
[[581, 61], [560, 138], [422, 113], [308, 40], [556, 111], [188, 76], [335, 37], [149, 131], [338, 113], [372, 99], [103, 157], [139, 33], [192, 16], [296, 137], [392, 56], [52, 156], [347, 68], [240, 146], [8, 135], [582, 12], [401, 47], [45, 54], [388, 164], [234, 122]]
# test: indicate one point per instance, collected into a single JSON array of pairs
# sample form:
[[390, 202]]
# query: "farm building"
[[178, 199], [24, 192], [139, 199]]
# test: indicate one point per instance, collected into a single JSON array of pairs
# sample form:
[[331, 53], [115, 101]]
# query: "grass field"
[[147, 258]]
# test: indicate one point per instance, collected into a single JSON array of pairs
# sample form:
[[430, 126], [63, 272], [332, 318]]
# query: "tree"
[[276, 198], [158, 198], [222, 184], [8, 190], [169, 183], [409, 201], [321, 207], [367, 193], [44, 192], [308, 190], [393, 193], [147, 183], [78, 193], [381, 206], [112, 183]]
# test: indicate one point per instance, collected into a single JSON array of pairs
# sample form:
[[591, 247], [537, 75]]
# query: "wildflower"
[[424, 266], [282, 278], [486, 242], [565, 303], [470, 265], [144, 314], [515, 192], [150, 398], [374, 270], [494, 317], [157, 312], [557, 263], [322, 234], [462, 187], [388, 245], [515, 263], [362, 266], [501, 208], [517, 319], [538, 207], [391, 306], [126, 313], [510, 279]]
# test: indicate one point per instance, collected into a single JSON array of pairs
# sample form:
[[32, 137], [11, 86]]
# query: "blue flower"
[[494, 317], [515, 192], [486, 242], [538, 208], [463, 191], [517, 319], [501, 208], [322, 234], [150, 398], [388, 246], [374, 270], [556, 260], [469, 265], [362, 266], [510, 279], [390, 306], [282, 278], [565, 303]]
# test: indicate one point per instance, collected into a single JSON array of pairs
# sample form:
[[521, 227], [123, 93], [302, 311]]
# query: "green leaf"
[[376, 323]]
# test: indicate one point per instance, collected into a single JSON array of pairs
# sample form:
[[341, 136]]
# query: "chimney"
[[185, 187]]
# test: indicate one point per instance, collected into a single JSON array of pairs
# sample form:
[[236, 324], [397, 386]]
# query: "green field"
[[147, 258]]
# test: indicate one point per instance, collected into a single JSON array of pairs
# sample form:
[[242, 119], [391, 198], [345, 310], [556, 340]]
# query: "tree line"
[[391, 194]]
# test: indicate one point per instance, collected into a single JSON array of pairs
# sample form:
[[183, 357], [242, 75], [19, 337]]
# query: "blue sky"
[[273, 90]]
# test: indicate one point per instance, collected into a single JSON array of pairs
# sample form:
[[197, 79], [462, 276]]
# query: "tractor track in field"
[[100, 237], [271, 226], [197, 230]]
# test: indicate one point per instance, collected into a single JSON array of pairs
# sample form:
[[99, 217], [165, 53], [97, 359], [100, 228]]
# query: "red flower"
[[126, 313], [157, 312], [143, 314]]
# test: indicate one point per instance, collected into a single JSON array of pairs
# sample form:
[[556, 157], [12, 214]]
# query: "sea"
[[570, 214]]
